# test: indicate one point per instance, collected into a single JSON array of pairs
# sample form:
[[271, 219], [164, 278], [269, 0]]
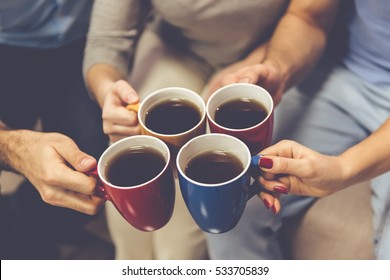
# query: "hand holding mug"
[[119, 122]]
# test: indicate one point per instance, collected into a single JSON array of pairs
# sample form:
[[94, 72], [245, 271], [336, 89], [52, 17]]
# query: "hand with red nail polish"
[[271, 201], [288, 167]]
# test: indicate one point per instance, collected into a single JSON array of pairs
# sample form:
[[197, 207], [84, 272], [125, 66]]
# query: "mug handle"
[[100, 189], [255, 188]]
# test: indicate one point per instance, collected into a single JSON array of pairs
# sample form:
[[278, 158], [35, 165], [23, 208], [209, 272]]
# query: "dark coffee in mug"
[[172, 116], [213, 167], [134, 166], [240, 113]]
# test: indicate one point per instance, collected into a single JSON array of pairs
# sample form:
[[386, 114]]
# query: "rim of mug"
[[157, 92], [245, 169], [119, 142], [237, 85]]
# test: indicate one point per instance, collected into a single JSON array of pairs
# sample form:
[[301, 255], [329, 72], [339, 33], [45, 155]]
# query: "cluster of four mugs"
[[137, 173]]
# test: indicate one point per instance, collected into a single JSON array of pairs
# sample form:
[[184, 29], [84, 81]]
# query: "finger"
[[120, 115], [212, 86], [87, 204], [116, 137], [267, 199], [125, 92], [282, 148], [65, 177], [73, 179], [230, 79], [277, 206], [268, 176], [281, 186], [79, 160], [253, 74], [120, 129], [282, 165], [125, 130], [271, 202]]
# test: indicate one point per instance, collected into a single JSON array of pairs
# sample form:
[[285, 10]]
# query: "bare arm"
[[300, 38], [295, 46], [369, 158], [114, 29]]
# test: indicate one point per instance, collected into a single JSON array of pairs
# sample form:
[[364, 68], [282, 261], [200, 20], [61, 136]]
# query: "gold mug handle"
[[133, 107]]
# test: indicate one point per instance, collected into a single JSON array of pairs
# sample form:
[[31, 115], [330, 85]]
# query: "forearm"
[[114, 28], [100, 78], [11, 149], [299, 39], [369, 158]]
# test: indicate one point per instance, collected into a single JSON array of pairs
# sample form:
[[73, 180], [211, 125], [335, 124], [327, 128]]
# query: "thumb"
[[282, 165], [125, 92], [79, 160]]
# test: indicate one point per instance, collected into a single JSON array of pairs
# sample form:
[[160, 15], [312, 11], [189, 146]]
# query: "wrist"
[[347, 169], [277, 66], [13, 148], [101, 78]]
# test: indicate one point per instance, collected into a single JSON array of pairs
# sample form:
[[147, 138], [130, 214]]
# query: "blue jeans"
[[333, 110]]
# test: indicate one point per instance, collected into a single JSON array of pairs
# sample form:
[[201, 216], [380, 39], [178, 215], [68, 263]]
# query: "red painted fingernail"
[[266, 163], [280, 189], [266, 203], [273, 209]]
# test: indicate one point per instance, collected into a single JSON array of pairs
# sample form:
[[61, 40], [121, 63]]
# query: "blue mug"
[[217, 198]]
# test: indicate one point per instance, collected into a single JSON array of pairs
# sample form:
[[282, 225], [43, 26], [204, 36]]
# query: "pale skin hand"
[[292, 51], [302, 170], [266, 74], [113, 94], [299, 170], [54, 165]]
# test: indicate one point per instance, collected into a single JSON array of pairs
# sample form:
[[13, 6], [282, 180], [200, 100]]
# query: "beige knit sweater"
[[218, 31]]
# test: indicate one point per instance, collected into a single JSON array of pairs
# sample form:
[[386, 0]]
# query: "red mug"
[[147, 205], [230, 102]]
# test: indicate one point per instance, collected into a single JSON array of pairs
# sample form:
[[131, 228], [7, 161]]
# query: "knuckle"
[[283, 164], [310, 170], [49, 196], [91, 209], [105, 115], [90, 186], [50, 179], [120, 86], [286, 143], [106, 128]]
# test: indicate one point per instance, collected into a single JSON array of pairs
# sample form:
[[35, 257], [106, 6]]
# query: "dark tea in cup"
[[136, 175], [214, 177], [134, 166], [244, 111], [214, 167], [240, 113], [172, 116]]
